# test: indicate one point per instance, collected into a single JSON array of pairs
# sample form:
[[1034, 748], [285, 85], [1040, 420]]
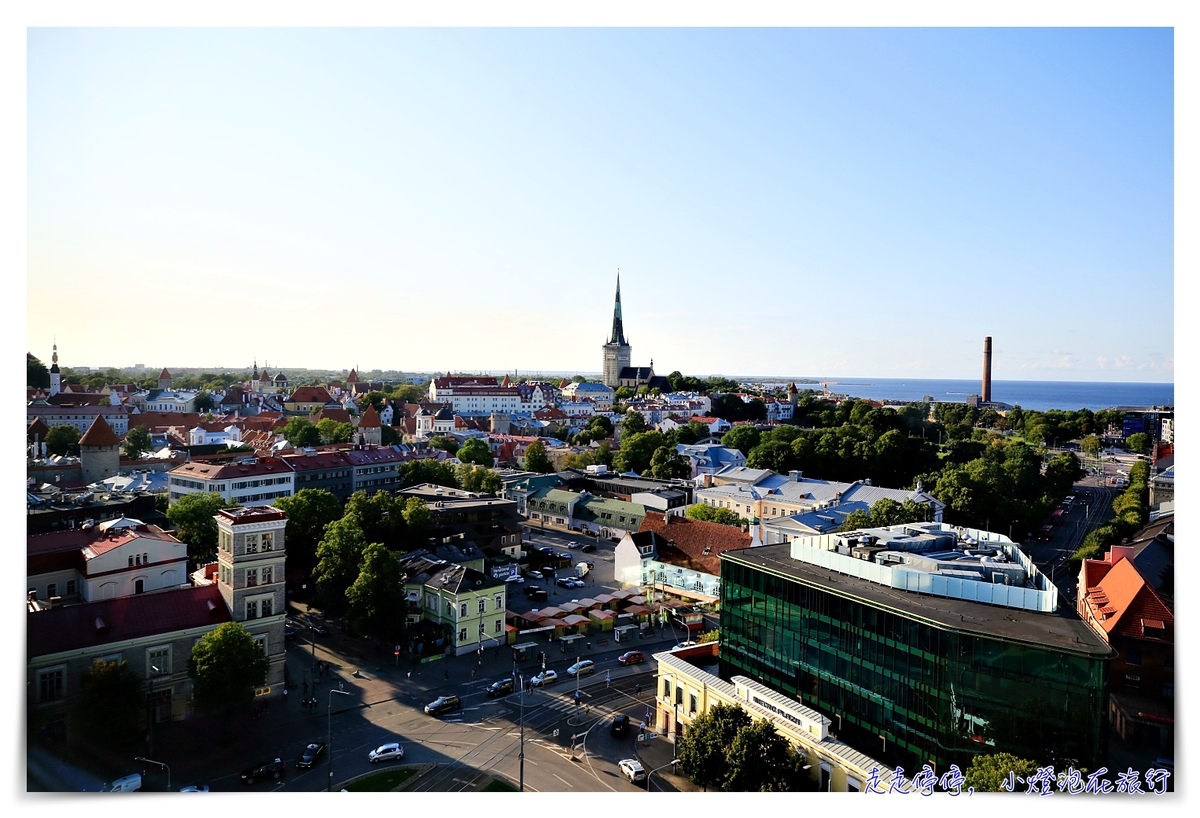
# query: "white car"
[[517, 578], [386, 752], [687, 644], [544, 678], [582, 668], [572, 544], [632, 769]]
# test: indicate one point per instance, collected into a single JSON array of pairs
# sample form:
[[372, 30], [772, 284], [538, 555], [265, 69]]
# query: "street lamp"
[[521, 756], [159, 763], [329, 728], [674, 761]]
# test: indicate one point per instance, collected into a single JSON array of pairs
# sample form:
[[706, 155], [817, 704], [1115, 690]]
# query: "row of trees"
[[709, 514], [1132, 509]]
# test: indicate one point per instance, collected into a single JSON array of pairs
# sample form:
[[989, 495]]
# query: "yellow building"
[[684, 691]]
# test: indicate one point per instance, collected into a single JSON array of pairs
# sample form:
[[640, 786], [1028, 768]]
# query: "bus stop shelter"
[[525, 652], [622, 633], [570, 644]]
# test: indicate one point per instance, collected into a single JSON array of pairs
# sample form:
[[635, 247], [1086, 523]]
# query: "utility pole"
[[521, 757]]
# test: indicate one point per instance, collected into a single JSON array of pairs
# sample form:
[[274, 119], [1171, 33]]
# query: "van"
[[582, 568], [129, 783]]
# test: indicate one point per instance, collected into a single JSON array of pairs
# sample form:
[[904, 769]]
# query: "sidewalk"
[[657, 753]]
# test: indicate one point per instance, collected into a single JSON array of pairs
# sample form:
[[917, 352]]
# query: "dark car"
[[537, 595], [310, 755], [620, 725], [443, 704], [317, 628], [500, 688], [272, 769], [631, 657], [288, 632], [547, 550], [588, 548]]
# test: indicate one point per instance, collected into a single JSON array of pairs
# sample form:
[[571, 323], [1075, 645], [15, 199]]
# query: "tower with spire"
[[617, 352], [55, 375]]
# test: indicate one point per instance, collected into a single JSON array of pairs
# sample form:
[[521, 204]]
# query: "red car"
[[631, 657]]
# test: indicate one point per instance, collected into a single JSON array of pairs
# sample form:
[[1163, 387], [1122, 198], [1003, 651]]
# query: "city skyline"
[[844, 203]]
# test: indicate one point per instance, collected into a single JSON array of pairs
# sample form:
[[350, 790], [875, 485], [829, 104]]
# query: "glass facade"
[[905, 690]]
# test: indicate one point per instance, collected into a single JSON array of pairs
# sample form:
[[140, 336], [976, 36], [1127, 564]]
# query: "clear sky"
[[809, 202]]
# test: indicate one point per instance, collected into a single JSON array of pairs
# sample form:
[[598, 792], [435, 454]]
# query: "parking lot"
[[599, 580]]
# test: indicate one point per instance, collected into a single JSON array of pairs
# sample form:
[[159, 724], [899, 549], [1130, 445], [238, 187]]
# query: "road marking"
[[560, 778]]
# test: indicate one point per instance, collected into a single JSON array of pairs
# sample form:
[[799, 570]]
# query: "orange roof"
[[370, 419], [1126, 601], [164, 375], [99, 434]]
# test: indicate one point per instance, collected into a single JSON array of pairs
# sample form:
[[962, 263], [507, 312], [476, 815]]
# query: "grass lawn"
[[499, 786], [385, 781]]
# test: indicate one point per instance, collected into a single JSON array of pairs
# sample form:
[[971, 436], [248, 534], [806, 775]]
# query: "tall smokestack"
[[987, 370]]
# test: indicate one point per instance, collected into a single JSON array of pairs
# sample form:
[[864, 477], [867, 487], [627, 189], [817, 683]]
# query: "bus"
[[1057, 517], [1068, 503], [690, 618]]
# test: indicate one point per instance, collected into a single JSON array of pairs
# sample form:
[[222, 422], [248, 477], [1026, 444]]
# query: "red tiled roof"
[[99, 434], [77, 627], [229, 471], [1126, 601], [694, 544], [309, 394], [338, 415], [157, 421], [38, 427], [370, 418]]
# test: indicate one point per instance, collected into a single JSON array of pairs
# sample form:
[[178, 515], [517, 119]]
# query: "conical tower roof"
[[370, 418], [99, 434]]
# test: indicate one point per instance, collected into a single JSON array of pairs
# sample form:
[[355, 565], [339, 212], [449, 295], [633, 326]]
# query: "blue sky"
[[808, 202]]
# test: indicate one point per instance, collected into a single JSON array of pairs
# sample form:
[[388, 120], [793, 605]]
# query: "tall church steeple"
[[618, 328], [55, 374]]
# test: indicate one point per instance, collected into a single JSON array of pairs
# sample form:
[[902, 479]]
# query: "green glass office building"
[[914, 678]]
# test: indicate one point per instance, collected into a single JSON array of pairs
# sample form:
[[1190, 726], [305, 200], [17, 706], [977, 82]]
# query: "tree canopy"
[[339, 558], [476, 451], [742, 438], [36, 373], [225, 667], [192, 515], [702, 749], [479, 479], [426, 470], [300, 433], [637, 450], [111, 709], [376, 597], [1139, 442], [445, 443], [988, 771], [633, 423], [667, 464], [308, 512], [536, 459], [63, 440], [137, 442], [709, 514]]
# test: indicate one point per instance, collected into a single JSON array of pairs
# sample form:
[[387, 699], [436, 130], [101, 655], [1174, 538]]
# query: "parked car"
[[689, 643], [537, 595], [582, 668], [317, 628], [544, 678], [386, 752], [576, 582], [566, 555], [500, 688], [310, 755], [572, 544], [565, 582], [288, 631], [517, 579], [272, 769], [620, 725], [631, 657], [195, 788], [588, 547], [545, 549], [533, 575], [128, 783], [443, 704], [632, 769]]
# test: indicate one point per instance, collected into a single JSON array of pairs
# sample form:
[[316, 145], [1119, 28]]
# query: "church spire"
[[618, 328]]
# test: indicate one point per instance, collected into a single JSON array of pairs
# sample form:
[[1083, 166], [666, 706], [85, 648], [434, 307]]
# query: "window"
[[251, 577], [692, 702], [482, 605], [265, 573], [158, 661], [251, 543], [52, 590], [145, 559], [261, 639], [70, 586], [1133, 656], [666, 688], [482, 629], [499, 601], [678, 694], [499, 626], [462, 635], [50, 684], [268, 541], [252, 609], [449, 607], [139, 586], [131, 560], [267, 606], [462, 609]]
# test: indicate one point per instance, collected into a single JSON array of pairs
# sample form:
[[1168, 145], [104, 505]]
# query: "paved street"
[[386, 703]]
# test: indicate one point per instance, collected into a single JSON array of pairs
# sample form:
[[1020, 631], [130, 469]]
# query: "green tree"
[[772, 454], [987, 771], [426, 470], [308, 511], [536, 459], [225, 667], [375, 399], [192, 515], [63, 440], [380, 516], [743, 438], [137, 442], [36, 374], [376, 597], [707, 514], [761, 760], [111, 710], [859, 518], [419, 520], [637, 450], [408, 393], [339, 559], [1090, 446], [1139, 443], [601, 424], [445, 443], [633, 423], [667, 464], [476, 451], [332, 431], [300, 433], [479, 479], [204, 401], [702, 749], [388, 435]]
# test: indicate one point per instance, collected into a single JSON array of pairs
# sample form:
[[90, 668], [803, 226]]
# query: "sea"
[[1037, 395]]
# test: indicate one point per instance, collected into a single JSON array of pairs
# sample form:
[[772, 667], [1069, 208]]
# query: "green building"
[[883, 631]]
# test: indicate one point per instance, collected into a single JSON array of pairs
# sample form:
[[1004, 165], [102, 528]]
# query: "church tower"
[[617, 351], [55, 375]]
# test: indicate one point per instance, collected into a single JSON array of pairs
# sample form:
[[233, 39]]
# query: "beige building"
[[685, 689]]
